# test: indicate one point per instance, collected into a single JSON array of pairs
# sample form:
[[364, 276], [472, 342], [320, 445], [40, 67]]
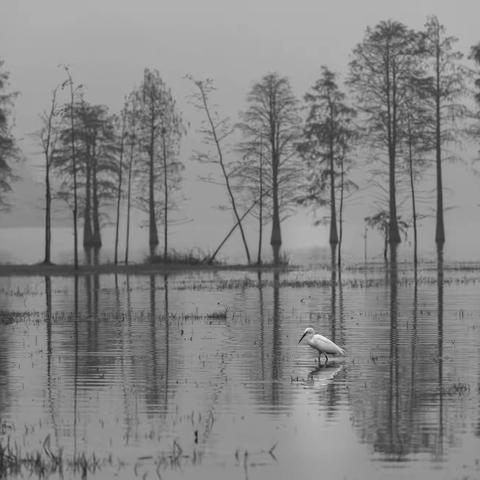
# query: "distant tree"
[[328, 135], [8, 148], [273, 115], [380, 73], [215, 131], [48, 137], [160, 129], [446, 90]]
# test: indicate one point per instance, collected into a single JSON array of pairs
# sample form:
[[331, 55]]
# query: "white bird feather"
[[321, 344]]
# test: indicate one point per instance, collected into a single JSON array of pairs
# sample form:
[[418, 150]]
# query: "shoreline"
[[41, 269]]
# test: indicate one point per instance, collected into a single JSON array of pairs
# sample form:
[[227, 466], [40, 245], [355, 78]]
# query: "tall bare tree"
[[48, 136], [131, 117], [123, 126], [215, 131], [273, 115], [69, 83]]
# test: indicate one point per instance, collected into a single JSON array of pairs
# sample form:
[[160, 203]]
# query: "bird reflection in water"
[[322, 375]]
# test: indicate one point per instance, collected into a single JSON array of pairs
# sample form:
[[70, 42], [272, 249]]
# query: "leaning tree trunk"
[[217, 140]]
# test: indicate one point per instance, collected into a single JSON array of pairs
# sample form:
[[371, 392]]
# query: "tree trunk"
[[440, 228], [276, 237], [48, 201], [129, 196], [87, 218], [393, 234], [340, 214], [74, 172], [412, 191], [96, 239], [153, 233], [385, 245], [333, 213], [165, 207], [48, 194], [119, 190], [260, 210]]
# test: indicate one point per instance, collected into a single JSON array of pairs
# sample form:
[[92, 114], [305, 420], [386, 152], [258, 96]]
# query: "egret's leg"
[[326, 359], [320, 358]]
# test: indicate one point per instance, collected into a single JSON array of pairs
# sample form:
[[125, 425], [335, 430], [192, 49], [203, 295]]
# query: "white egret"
[[321, 344]]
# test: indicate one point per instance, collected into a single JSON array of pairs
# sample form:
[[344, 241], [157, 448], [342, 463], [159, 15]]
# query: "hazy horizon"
[[108, 44]]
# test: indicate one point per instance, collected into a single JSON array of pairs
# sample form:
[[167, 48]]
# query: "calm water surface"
[[200, 375]]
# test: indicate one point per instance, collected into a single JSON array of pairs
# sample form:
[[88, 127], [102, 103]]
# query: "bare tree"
[[69, 83], [120, 179], [215, 131], [131, 117], [48, 136]]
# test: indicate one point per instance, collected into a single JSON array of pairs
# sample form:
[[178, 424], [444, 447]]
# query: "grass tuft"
[[193, 257]]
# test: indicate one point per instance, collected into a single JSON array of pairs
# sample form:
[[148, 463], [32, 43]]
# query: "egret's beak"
[[302, 337]]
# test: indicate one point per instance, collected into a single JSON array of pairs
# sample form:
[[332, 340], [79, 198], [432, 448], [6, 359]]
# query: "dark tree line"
[[408, 101]]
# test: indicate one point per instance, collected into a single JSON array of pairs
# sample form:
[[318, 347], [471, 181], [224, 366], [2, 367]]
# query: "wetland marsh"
[[199, 375]]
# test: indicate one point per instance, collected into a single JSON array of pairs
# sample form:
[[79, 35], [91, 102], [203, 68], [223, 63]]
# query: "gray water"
[[200, 375]]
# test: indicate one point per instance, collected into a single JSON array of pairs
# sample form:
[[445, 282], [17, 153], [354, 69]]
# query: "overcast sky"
[[108, 43]]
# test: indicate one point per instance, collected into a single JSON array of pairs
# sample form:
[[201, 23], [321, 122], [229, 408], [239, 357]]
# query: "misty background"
[[107, 46]]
